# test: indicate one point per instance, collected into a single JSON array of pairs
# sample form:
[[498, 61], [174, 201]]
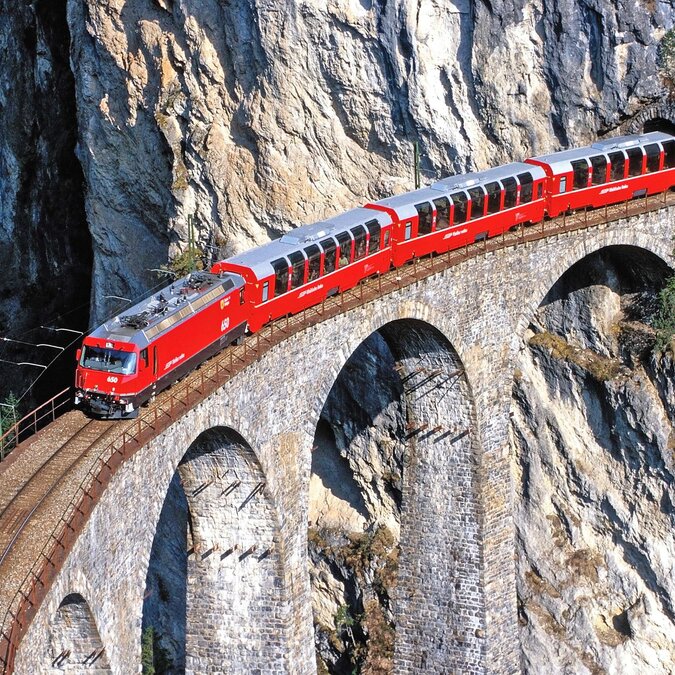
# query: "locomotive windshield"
[[110, 360]]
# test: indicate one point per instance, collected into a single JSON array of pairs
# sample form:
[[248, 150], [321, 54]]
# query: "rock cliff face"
[[593, 442], [255, 117]]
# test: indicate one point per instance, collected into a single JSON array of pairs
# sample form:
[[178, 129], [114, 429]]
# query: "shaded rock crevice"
[[45, 245]]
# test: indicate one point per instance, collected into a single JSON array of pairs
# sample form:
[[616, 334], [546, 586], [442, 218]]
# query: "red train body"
[[138, 353]]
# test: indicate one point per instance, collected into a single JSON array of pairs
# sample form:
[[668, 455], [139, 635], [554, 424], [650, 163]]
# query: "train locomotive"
[[130, 358]]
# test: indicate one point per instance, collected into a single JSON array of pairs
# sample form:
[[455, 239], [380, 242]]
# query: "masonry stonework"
[[481, 309]]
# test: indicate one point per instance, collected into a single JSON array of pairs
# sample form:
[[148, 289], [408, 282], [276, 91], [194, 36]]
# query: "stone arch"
[[75, 642], [214, 579], [658, 117], [642, 243], [395, 455], [591, 423]]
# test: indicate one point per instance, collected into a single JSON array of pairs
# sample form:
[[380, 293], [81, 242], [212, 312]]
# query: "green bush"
[[147, 651], [664, 322], [9, 412]]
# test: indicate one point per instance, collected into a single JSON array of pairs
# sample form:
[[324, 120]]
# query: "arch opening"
[[393, 509], [659, 124], [214, 582], [593, 410], [75, 642]]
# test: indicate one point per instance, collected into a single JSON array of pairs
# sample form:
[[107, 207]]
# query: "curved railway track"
[[18, 506], [109, 444]]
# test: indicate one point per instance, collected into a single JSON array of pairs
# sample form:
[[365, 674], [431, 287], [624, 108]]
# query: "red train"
[[127, 360]]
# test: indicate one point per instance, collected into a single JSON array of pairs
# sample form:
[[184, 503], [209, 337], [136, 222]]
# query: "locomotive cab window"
[[426, 215], [330, 256], [634, 161], [241, 295], [653, 152], [359, 241], [314, 266], [144, 358], [525, 187], [668, 154], [618, 162], [280, 276], [494, 195], [442, 213], [599, 166], [477, 202], [345, 242], [374, 232], [460, 201], [298, 264], [510, 192], [108, 360], [580, 169]]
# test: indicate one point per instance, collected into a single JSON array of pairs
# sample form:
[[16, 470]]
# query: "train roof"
[[404, 204], [143, 322], [259, 260], [561, 162]]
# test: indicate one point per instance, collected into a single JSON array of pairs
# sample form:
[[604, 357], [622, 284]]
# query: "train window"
[[634, 161], [408, 230], [241, 295], [374, 231], [144, 357], [442, 213], [618, 162], [330, 256], [460, 201], [426, 216], [653, 152], [525, 187], [599, 165], [386, 239], [345, 242], [298, 263], [266, 291], [563, 184], [580, 169], [477, 202], [360, 241], [510, 192], [280, 276], [494, 195], [540, 190], [314, 267], [669, 154]]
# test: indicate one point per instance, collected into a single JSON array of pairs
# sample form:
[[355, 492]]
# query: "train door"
[[144, 366]]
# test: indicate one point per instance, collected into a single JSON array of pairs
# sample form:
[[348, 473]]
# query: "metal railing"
[[43, 415], [174, 403]]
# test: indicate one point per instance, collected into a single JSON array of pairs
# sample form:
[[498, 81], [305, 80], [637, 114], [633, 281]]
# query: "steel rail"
[[172, 404], [100, 428]]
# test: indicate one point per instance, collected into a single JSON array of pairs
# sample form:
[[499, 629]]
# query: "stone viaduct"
[[243, 458]]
